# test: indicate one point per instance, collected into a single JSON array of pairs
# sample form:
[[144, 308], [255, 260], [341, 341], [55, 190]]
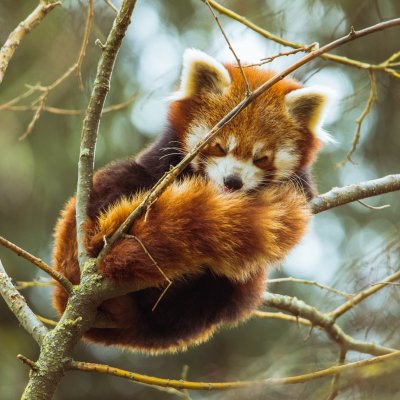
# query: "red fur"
[[214, 246]]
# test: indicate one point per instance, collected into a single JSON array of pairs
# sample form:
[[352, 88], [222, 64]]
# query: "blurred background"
[[348, 247]]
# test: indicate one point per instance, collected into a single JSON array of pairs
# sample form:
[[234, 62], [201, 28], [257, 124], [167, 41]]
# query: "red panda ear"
[[201, 73], [308, 106]]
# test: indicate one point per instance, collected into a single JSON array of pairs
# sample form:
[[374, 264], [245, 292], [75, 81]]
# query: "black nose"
[[233, 182]]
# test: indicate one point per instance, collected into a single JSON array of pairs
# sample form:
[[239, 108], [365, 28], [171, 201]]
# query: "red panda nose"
[[233, 182]]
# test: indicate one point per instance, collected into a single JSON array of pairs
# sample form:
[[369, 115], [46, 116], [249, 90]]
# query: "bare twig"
[[36, 116], [67, 112], [170, 176], [339, 196], [18, 34], [17, 304], [46, 321], [64, 282], [370, 102], [180, 384], [283, 317], [325, 320], [111, 5], [267, 60], [376, 208], [169, 282], [312, 283], [246, 82], [26, 361], [335, 381], [359, 297], [31, 89], [28, 284], [85, 41], [384, 66], [74, 68]]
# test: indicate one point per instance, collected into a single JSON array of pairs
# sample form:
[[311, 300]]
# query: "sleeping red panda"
[[238, 208]]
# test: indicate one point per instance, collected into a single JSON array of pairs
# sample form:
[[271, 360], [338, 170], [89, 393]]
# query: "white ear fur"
[[308, 106], [201, 72]]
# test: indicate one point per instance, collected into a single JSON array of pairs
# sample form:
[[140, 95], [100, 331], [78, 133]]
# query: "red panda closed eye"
[[239, 208]]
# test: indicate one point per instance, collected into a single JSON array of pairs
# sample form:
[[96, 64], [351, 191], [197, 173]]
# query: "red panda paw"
[[127, 262]]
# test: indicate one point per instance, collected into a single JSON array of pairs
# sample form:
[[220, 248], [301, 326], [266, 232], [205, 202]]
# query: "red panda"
[[238, 208]]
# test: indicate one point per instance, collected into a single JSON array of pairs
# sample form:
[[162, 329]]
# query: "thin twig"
[[46, 321], [31, 89], [180, 384], [376, 208], [246, 82], [335, 381], [325, 320], [85, 41], [111, 5], [283, 317], [361, 296], [171, 175], [31, 364], [312, 283], [384, 66], [267, 60], [184, 376], [359, 121], [158, 268], [64, 282], [28, 284], [74, 68], [17, 304], [36, 116], [18, 34], [67, 112]]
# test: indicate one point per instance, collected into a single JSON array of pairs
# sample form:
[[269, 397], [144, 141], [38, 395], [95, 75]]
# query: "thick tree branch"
[[91, 122], [81, 310], [17, 304], [171, 175], [18, 34], [339, 196]]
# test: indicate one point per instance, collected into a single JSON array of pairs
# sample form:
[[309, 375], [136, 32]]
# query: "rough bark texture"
[[57, 345]]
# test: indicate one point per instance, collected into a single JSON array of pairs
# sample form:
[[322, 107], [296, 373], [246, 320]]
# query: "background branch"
[[384, 66], [339, 196], [64, 282], [18, 34], [180, 384], [325, 321], [17, 304]]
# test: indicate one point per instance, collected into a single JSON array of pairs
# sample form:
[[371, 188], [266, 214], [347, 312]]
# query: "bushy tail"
[[193, 224]]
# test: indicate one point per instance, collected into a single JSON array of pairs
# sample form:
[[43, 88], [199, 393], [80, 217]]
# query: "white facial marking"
[[259, 151], [285, 162], [195, 135], [231, 143], [218, 168]]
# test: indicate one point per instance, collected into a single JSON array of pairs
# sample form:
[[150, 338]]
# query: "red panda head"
[[277, 135]]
